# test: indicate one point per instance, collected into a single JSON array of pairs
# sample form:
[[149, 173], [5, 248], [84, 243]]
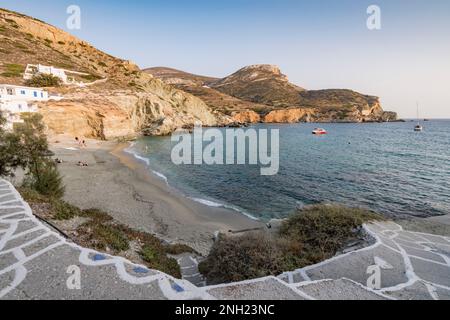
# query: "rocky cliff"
[[125, 113], [125, 102], [292, 115], [265, 90]]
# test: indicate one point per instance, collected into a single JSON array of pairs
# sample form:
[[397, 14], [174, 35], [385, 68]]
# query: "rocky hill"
[[260, 84], [125, 102], [264, 90], [240, 110], [121, 100]]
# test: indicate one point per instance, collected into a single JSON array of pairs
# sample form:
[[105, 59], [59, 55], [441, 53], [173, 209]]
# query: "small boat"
[[319, 131], [418, 127]]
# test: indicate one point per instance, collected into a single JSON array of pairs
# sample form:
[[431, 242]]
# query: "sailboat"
[[418, 127]]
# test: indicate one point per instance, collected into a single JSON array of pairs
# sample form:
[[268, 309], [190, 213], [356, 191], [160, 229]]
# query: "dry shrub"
[[248, 256], [309, 236]]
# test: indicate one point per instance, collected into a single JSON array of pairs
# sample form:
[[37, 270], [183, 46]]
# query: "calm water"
[[385, 167]]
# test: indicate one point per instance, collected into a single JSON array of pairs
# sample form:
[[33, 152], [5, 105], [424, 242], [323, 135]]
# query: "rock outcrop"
[[265, 90], [293, 115], [113, 114], [247, 116]]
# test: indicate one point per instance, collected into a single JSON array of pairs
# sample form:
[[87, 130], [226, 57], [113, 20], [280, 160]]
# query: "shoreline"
[[142, 200], [127, 155], [116, 182]]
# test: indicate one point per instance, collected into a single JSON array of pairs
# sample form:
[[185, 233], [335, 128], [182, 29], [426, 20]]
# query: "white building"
[[33, 69], [19, 93], [15, 100], [66, 76]]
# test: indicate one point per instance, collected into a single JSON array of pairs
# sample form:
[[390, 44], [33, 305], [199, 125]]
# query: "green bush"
[[45, 179], [157, 259], [243, 257], [57, 208], [176, 249], [108, 236], [323, 229], [13, 70], [96, 215], [43, 80], [32, 196], [62, 210], [91, 77], [309, 236]]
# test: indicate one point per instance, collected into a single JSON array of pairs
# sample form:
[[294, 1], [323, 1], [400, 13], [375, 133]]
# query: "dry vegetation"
[[309, 236], [43, 81], [99, 231]]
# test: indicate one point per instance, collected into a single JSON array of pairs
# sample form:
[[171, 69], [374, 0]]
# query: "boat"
[[319, 131], [418, 127]]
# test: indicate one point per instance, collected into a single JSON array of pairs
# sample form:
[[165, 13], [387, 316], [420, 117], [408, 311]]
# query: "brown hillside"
[[128, 100]]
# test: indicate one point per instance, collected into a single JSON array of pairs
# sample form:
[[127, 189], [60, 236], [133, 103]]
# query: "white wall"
[[17, 106], [22, 94]]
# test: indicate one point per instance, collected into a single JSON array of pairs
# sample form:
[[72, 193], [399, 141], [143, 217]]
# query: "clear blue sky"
[[317, 43]]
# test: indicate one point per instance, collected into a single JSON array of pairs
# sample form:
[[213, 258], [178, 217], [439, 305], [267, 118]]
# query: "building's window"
[[35, 94], [22, 92], [20, 107], [42, 94], [9, 91]]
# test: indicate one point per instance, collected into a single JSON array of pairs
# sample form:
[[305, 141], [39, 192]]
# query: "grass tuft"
[[109, 236], [13, 70], [157, 259]]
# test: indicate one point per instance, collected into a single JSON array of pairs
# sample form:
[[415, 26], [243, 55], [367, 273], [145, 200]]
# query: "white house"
[[15, 100], [14, 93], [33, 69], [66, 76]]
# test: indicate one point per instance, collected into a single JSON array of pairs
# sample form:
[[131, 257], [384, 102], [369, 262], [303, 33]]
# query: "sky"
[[318, 44]]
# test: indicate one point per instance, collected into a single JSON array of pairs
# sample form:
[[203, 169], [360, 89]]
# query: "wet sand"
[[117, 183]]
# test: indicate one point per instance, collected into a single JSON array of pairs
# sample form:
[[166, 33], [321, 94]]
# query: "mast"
[[418, 121]]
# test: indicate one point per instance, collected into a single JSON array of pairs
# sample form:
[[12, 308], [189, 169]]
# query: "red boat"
[[319, 131]]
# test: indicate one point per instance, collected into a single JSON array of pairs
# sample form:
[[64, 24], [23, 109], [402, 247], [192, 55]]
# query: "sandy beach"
[[117, 183]]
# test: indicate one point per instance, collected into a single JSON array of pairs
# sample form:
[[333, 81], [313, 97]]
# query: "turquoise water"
[[386, 167]]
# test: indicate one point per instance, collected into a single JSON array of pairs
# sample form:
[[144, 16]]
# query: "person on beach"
[[82, 164]]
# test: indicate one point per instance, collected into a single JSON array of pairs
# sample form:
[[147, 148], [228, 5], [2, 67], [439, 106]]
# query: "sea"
[[384, 167]]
